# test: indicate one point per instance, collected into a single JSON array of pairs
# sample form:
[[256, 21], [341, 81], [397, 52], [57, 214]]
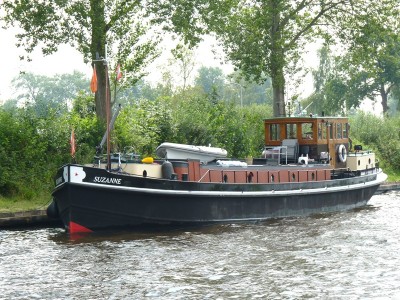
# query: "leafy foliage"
[[211, 80], [367, 66], [382, 135], [44, 93], [87, 26], [263, 38], [30, 148]]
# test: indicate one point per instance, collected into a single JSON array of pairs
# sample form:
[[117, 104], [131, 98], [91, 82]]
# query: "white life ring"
[[342, 153]]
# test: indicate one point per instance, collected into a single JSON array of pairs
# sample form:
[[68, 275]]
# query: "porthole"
[[225, 178]]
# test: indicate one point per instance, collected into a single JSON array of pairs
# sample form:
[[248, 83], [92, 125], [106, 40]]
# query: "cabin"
[[307, 139]]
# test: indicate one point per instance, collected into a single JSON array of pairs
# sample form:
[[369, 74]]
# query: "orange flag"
[[118, 73], [93, 83], [72, 142]]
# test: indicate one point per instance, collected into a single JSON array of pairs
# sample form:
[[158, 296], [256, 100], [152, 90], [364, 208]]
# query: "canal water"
[[348, 255]]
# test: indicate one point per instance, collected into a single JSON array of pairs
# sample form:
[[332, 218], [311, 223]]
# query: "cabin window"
[[330, 125], [339, 130], [307, 131], [291, 131], [346, 131], [274, 133], [321, 131]]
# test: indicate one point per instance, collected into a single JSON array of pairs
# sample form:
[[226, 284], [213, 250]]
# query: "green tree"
[[262, 38], [249, 91], [88, 26], [329, 96], [211, 80], [183, 57], [382, 137], [368, 66], [31, 148], [394, 101], [129, 95], [44, 93], [143, 126], [371, 67]]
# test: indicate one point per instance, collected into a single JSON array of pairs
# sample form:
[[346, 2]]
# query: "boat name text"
[[107, 180]]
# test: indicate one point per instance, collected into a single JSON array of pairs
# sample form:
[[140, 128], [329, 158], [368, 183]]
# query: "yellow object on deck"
[[148, 160]]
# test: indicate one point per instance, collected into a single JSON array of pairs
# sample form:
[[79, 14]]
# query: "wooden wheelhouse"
[[319, 139]]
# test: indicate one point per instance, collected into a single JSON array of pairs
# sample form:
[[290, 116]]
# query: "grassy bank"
[[393, 177], [18, 204]]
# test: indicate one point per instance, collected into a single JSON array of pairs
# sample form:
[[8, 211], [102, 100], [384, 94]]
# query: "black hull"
[[88, 206]]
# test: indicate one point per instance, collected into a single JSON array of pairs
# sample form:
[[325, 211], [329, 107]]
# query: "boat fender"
[[342, 153], [148, 160], [52, 211], [167, 170]]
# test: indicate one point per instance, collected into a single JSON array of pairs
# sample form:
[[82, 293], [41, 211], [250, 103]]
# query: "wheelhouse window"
[[307, 131], [321, 131], [346, 131], [291, 131], [339, 130], [274, 132], [331, 125]]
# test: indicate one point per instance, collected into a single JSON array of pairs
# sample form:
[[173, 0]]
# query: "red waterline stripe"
[[75, 228]]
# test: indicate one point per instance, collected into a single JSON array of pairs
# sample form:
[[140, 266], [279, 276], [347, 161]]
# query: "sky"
[[67, 60]]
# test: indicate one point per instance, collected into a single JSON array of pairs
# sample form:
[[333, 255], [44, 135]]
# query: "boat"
[[308, 166]]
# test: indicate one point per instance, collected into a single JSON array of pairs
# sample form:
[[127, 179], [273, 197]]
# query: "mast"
[[108, 116]]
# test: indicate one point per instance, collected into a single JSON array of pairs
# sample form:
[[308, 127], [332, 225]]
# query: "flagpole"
[[115, 90], [107, 112]]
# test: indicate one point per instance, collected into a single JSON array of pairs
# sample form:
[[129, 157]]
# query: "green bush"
[[381, 135]]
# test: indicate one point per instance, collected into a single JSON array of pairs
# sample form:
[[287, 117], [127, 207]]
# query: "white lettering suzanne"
[[107, 180]]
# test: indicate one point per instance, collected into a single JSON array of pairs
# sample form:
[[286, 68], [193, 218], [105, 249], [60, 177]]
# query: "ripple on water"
[[349, 255]]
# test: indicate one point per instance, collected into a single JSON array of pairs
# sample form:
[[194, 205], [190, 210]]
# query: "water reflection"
[[349, 255]]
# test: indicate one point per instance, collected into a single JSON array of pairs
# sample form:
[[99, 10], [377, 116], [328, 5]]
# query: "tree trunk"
[[278, 90], [98, 50], [277, 61], [384, 96], [100, 96]]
